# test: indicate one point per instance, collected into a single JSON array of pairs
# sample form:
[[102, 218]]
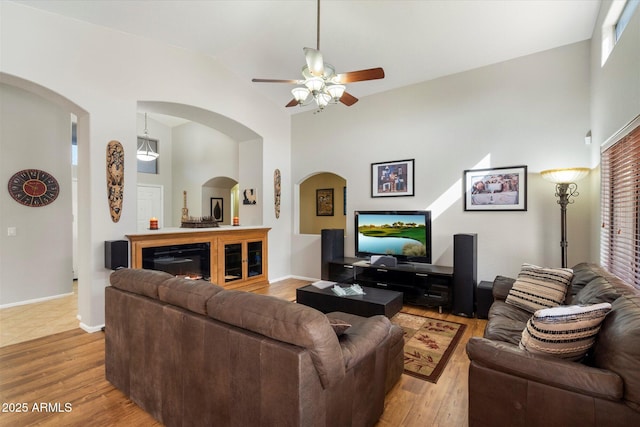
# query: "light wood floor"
[[63, 376], [26, 322]]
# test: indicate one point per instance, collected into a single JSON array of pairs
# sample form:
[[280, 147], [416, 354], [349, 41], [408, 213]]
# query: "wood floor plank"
[[68, 368]]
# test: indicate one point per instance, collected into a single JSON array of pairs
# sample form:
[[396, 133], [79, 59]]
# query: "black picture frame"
[[495, 189], [217, 208], [392, 179], [324, 202]]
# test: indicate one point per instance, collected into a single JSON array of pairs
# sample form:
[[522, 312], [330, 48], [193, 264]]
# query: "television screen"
[[405, 235]]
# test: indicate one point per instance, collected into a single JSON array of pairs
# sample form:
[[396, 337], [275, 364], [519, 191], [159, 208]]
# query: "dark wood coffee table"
[[375, 301]]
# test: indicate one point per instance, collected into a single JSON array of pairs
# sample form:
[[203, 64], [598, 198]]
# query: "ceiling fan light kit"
[[320, 82]]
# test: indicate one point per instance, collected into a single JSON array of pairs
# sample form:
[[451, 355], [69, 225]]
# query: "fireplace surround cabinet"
[[238, 255]]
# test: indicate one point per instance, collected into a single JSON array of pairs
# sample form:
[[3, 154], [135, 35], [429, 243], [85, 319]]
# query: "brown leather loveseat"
[[191, 353], [509, 386]]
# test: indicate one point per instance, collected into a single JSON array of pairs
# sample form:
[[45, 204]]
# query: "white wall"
[[37, 262], [251, 177], [101, 76], [530, 111], [615, 97]]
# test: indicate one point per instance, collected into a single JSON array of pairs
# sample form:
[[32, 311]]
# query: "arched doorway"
[[40, 135], [222, 196], [323, 199]]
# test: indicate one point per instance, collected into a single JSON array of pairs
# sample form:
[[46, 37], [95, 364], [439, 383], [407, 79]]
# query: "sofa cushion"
[[139, 281], [284, 321], [596, 291], [501, 287], [618, 346], [539, 287], [567, 332], [189, 294], [506, 323]]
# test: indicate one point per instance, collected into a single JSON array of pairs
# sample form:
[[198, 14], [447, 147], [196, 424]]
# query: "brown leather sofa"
[[194, 354], [511, 387]]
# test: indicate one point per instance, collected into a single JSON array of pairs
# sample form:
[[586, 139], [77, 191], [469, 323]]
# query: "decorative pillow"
[[538, 287], [567, 332], [339, 326]]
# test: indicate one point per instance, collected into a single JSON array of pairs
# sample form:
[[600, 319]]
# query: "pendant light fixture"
[[145, 152]]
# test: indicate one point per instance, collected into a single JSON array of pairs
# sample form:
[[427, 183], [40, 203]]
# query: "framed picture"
[[249, 196], [392, 179], [496, 189], [324, 202], [217, 208]]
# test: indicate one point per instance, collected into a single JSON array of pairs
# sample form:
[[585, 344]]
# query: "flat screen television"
[[405, 235]]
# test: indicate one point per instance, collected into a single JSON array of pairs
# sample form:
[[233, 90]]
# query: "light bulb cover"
[[300, 94], [323, 99], [314, 84], [336, 91], [565, 176]]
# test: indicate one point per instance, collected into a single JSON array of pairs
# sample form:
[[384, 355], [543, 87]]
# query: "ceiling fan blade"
[[359, 76], [348, 99], [315, 63], [292, 103], [295, 82]]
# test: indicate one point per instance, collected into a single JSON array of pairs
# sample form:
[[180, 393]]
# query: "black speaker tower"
[[116, 254], [332, 248], [465, 273]]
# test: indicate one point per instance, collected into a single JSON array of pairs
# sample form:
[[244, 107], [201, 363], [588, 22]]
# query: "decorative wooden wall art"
[[115, 178], [276, 191]]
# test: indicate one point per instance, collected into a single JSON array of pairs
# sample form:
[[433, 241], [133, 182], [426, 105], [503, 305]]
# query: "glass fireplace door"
[[233, 262]]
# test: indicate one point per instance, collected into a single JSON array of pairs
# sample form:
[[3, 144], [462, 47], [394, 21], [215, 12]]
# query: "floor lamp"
[[566, 188]]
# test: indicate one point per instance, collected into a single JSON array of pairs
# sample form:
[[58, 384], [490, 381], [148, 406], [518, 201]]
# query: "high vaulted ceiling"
[[413, 41]]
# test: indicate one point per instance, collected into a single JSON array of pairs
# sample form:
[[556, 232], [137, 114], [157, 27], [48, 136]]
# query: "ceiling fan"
[[320, 83]]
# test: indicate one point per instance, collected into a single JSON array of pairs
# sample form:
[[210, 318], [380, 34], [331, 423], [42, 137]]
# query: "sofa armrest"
[[501, 287], [554, 372], [362, 338]]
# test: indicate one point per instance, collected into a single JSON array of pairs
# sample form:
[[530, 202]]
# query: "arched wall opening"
[[322, 203], [43, 140], [206, 155], [220, 199]]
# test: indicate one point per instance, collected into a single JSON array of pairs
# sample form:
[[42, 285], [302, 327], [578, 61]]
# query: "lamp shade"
[[146, 153], [314, 84], [565, 176], [300, 94], [336, 91], [322, 99]]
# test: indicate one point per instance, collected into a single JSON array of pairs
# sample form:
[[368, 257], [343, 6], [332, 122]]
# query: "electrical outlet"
[[12, 231]]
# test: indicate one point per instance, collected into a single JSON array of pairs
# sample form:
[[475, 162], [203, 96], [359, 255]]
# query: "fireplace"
[[190, 260]]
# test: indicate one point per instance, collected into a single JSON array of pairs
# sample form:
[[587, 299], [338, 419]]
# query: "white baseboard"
[[293, 277], [91, 329], [35, 300]]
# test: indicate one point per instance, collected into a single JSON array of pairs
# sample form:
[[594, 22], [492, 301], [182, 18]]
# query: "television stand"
[[421, 284]]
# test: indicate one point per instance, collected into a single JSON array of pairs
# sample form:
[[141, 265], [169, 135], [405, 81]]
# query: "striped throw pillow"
[[538, 287], [567, 332]]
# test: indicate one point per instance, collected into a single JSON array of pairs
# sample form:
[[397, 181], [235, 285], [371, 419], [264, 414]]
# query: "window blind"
[[620, 208]]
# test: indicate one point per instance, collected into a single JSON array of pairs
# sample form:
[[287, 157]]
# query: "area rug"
[[428, 344]]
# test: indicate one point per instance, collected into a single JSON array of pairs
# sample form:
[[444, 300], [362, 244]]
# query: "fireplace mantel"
[[220, 238]]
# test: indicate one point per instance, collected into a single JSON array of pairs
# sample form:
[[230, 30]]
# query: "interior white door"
[[149, 205]]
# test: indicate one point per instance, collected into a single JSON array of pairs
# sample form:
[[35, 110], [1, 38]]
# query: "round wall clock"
[[33, 187]]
